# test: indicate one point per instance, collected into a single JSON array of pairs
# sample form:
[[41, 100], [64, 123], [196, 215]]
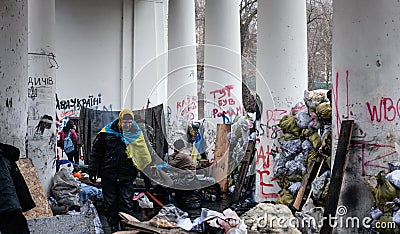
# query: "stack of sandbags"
[[386, 212], [306, 136]]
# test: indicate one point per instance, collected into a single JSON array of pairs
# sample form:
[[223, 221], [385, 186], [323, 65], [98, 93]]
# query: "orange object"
[[77, 174]]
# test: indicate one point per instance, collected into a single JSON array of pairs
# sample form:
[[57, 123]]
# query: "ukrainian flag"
[[136, 147], [198, 147]]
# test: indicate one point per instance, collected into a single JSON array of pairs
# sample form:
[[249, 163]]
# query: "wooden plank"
[[221, 156], [300, 193], [337, 174], [42, 209], [244, 166]]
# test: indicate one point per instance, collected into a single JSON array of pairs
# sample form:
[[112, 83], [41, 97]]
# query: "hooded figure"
[[114, 158]]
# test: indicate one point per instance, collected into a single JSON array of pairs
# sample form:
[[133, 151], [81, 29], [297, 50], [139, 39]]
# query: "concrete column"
[[149, 54], [13, 72], [222, 64], [281, 77], [182, 67], [41, 83], [127, 55], [366, 88]]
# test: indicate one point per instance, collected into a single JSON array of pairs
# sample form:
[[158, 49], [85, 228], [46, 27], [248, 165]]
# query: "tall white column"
[[366, 88], [149, 54], [182, 67], [222, 64], [41, 82], [13, 73], [127, 55], [281, 77]]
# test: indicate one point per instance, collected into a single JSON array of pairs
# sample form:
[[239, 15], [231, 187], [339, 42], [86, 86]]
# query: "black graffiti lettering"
[[64, 104], [74, 103], [36, 81], [77, 103], [30, 82], [262, 128], [96, 102]]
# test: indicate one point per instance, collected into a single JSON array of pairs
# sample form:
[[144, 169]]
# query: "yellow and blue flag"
[[136, 147]]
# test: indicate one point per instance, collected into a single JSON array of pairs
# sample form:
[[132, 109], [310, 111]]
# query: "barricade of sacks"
[[386, 211], [305, 136]]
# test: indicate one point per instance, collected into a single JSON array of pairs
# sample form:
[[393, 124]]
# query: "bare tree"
[[319, 45], [248, 34], [200, 8], [319, 30], [248, 43]]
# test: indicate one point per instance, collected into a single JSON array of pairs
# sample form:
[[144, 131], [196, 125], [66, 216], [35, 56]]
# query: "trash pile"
[[173, 218], [242, 131], [70, 195], [306, 137], [239, 137], [387, 201]]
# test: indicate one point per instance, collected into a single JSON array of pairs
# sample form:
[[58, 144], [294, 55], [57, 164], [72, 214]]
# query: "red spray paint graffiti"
[[371, 163], [227, 105], [386, 107], [187, 107], [266, 181], [335, 96]]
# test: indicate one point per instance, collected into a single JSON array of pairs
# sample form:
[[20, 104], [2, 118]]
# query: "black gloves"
[[93, 178]]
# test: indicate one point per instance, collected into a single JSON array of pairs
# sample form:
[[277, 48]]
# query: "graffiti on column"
[[178, 115], [225, 103], [187, 107], [45, 123], [335, 96], [264, 165], [374, 154], [267, 133], [35, 82], [387, 110], [174, 124]]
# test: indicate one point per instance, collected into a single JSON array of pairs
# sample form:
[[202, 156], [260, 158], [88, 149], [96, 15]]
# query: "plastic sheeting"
[[66, 189]]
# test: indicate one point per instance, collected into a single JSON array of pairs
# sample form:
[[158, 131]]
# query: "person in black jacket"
[[110, 161], [14, 193]]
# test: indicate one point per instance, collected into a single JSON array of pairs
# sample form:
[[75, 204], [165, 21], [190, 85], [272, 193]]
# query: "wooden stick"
[[300, 193], [154, 198], [319, 170]]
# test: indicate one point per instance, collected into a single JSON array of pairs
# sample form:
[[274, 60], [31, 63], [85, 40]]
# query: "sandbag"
[[324, 110], [385, 192]]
